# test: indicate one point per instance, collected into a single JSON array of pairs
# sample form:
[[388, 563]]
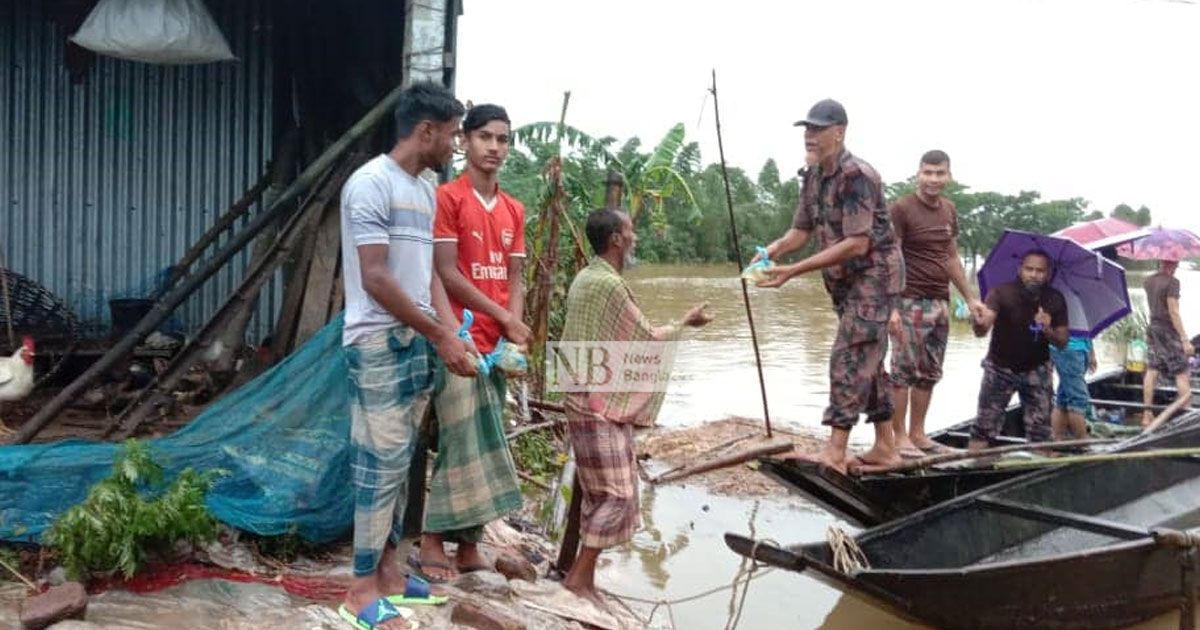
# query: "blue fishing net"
[[283, 438]]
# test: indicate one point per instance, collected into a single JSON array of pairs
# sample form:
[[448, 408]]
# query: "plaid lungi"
[[607, 469], [474, 479], [391, 379]]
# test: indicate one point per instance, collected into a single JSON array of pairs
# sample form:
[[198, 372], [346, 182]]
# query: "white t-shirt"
[[383, 204]]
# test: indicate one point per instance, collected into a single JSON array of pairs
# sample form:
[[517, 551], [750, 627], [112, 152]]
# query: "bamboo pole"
[[737, 250], [235, 212], [533, 427], [1099, 457], [259, 272], [549, 223], [941, 458], [166, 304]]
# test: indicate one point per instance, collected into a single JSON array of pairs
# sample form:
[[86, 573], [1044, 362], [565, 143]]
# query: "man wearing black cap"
[[860, 262]]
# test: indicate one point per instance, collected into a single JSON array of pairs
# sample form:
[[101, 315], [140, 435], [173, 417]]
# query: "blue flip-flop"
[[376, 614], [417, 592]]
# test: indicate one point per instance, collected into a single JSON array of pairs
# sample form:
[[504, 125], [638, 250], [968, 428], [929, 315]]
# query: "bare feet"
[[1147, 418], [587, 592], [906, 447], [878, 459], [468, 559], [828, 458], [434, 561]]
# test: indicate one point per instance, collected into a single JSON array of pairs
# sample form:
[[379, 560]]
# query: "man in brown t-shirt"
[[927, 225], [1169, 345]]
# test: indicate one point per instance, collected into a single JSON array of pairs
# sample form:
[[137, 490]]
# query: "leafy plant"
[[285, 547], [537, 454], [116, 528], [1132, 326]]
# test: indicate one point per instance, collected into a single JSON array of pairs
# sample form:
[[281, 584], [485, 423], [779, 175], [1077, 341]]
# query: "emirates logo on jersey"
[[506, 238]]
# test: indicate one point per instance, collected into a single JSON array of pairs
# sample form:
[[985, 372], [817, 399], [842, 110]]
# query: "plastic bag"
[[154, 31], [757, 272], [507, 355], [1135, 355], [961, 312]]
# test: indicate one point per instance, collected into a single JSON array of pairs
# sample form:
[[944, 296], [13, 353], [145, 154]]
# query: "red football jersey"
[[487, 236]]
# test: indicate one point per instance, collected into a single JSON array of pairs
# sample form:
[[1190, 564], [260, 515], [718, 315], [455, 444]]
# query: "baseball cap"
[[825, 113]]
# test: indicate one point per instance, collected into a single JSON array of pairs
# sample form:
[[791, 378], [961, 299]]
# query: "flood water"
[[680, 551]]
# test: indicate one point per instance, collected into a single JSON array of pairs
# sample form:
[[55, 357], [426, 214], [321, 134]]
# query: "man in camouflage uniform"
[[842, 203]]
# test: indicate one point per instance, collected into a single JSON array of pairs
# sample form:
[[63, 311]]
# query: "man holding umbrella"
[[1025, 316], [1169, 345]]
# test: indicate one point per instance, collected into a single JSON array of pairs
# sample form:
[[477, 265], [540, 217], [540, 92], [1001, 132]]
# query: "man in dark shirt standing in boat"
[[1168, 343], [841, 202], [926, 223], [1025, 317]]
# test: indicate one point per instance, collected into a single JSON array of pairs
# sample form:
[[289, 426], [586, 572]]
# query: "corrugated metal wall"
[[107, 182]]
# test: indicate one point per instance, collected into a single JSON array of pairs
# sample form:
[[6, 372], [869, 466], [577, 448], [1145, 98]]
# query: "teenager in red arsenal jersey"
[[480, 233], [479, 251]]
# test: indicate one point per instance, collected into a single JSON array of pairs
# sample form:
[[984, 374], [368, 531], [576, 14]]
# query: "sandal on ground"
[[376, 614], [419, 567], [417, 593]]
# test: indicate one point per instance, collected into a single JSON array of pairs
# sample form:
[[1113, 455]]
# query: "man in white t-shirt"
[[398, 325]]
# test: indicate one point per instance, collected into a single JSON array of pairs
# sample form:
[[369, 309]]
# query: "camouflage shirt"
[[849, 202]]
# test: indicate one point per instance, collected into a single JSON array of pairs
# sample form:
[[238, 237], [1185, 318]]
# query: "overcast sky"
[[1092, 98]]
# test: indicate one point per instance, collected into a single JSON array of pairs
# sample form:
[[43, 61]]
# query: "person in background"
[[1072, 402], [1168, 343]]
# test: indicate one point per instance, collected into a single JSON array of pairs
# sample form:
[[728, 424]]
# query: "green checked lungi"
[[474, 480], [391, 380]]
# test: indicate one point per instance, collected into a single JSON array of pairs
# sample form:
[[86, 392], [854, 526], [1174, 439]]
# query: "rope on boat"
[[743, 579], [847, 555]]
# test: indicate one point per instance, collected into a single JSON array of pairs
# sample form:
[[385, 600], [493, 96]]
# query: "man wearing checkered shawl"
[[601, 309]]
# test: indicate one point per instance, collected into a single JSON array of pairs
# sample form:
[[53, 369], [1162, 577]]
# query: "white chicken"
[[16, 376]]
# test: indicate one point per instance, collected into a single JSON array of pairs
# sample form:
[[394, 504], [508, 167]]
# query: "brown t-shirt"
[[1014, 345], [926, 235], [1158, 288]]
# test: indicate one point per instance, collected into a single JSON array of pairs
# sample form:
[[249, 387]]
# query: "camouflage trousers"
[[858, 384], [1166, 351], [1035, 389], [918, 351]]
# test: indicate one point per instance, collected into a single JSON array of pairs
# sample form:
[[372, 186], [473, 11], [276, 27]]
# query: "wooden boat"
[[873, 499], [1068, 547]]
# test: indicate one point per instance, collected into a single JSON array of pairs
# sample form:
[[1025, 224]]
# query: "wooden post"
[[570, 540], [1187, 575], [615, 190]]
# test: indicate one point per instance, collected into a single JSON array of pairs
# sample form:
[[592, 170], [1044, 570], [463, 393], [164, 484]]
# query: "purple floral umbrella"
[[1163, 244], [1093, 286]]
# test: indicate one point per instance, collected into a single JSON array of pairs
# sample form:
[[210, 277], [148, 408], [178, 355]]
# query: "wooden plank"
[[319, 290], [774, 447], [1064, 518], [293, 291], [1127, 404]]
